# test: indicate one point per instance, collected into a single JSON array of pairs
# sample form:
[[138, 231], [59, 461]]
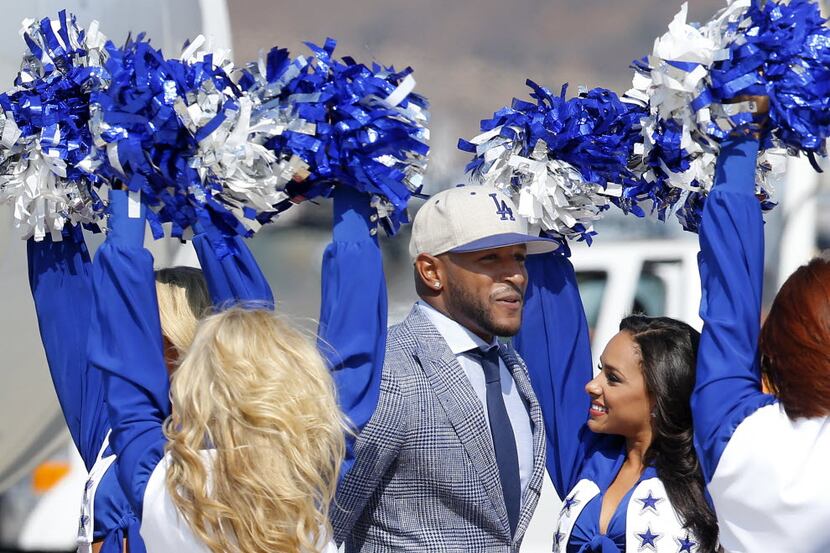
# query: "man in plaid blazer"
[[453, 456]]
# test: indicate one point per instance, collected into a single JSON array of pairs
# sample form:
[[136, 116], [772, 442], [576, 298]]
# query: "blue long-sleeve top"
[[61, 283], [766, 473], [731, 263], [555, 344], [60, 280], [128, 350], [126, 346], [231, 272], [353, 312]]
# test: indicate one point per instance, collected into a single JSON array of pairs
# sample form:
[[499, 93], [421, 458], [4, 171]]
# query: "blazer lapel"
[[461, 405], [534, 487]]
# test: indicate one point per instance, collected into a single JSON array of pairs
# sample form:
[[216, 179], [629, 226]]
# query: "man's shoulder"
[[401, 347], [404, 338], [400, 337], [406, 343]]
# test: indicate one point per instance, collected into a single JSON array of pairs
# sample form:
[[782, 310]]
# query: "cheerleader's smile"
[[597, 410]]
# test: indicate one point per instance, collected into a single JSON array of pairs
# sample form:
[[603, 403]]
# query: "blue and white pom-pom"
[[781, 50], [146, 146], [47, 163], [241, 171], [565, 159], [267, 82], [182, 132], [354, 125]]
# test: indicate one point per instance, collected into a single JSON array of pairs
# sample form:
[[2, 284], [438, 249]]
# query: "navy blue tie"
[[504, 442]]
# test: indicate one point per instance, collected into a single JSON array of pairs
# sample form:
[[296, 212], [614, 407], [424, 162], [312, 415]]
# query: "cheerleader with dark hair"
[[620, 450]]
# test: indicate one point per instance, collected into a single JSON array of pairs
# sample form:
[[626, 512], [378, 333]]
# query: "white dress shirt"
[[461, 340]]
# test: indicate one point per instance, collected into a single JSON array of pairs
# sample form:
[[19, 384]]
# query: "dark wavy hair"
[[668, 353]]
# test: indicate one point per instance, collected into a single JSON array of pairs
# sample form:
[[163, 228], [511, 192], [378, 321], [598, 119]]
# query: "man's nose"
[[515, 273]]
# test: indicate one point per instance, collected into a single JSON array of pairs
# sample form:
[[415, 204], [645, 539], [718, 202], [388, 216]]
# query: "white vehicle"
[[653, 277]]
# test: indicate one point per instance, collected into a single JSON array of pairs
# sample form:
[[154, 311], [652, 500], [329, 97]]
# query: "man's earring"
[[436, 284]]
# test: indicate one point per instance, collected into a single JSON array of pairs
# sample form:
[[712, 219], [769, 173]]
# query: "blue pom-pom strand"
[[146, 146], [564, 159]]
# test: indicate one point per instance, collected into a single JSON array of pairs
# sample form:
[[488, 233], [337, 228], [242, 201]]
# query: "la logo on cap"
[[472, 218], [502, 208]]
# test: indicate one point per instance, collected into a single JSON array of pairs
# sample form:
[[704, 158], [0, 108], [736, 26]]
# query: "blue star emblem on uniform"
[[568, 503], [686, 545], [650, 502], [648, 540], [557, 538]]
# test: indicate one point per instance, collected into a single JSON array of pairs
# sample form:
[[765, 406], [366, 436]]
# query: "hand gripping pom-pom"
[[47, 162], [564, 159], [777, 49], [782, 50]]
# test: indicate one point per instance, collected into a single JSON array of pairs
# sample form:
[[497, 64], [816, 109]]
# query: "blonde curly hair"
[[256, 392]]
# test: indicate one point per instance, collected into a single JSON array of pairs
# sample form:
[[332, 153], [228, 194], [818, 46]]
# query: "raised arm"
[[353, 310], [731, 260], [61, 283], [125, 343], [231, 272], [555, 344]]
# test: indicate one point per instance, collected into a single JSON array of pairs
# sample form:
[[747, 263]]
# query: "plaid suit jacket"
[[425, 476]]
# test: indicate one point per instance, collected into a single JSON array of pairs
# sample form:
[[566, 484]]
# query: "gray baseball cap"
[[471, 218]]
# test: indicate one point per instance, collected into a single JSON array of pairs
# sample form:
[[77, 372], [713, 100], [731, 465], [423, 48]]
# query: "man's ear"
[[429, 271]]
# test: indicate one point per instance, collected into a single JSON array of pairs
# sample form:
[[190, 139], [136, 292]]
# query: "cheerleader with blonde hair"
[[258, 391], [60, 273], [242, 451], [183, 299]]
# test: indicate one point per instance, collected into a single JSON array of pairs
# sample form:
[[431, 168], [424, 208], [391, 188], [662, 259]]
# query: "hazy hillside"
[[470, 56]]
